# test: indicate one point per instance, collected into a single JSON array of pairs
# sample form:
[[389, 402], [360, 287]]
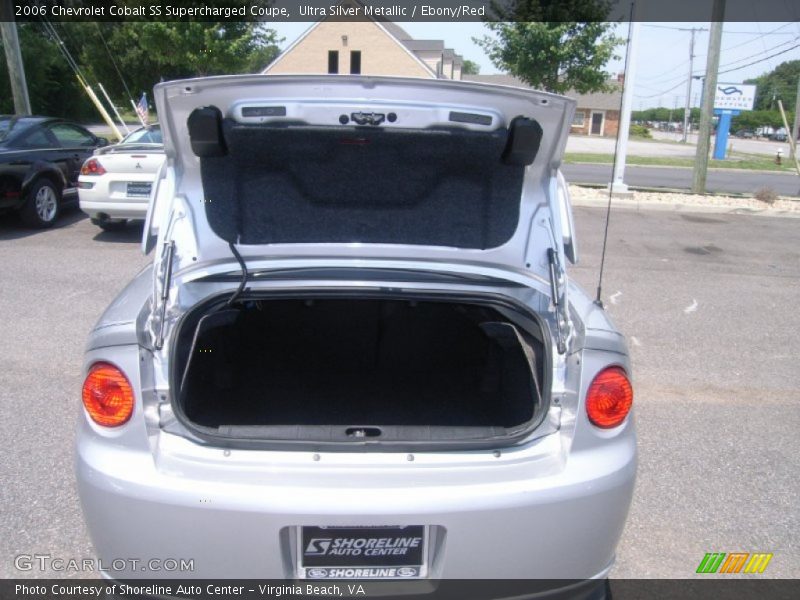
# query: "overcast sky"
[[663, 61]]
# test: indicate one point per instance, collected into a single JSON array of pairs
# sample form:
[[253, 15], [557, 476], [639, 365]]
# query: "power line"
[[113, 62], [761, 60], [773, 32], [50, 30], [734, 62], [665, 91], [726, 31], [667, 72], [658, 78], [669, 80]]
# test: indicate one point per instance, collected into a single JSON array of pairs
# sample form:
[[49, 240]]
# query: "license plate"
[[390, 552], [136, 188]]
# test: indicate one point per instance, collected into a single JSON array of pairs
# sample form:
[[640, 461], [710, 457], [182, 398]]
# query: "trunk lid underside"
[[368, 166]]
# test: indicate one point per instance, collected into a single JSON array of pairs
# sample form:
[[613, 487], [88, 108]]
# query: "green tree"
[[149, 52], [470, 67], [534, 41], [52, 86], [753, 119], [145, 53], [778, 84]]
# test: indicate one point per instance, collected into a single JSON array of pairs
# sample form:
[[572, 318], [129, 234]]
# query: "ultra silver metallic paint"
[[551, 507]]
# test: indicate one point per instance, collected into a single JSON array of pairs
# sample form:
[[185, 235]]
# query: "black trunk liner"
[[359, 362]]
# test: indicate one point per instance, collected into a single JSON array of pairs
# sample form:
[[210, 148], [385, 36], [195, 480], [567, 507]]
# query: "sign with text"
[[736, 96]]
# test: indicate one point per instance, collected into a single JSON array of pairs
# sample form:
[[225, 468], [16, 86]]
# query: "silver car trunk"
[[357, 175], [285, 169]]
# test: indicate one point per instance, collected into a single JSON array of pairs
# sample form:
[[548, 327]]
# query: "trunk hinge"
[[559, 300], [165, 280]]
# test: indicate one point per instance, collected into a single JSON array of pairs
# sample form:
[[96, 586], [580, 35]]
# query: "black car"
[[40, 159]]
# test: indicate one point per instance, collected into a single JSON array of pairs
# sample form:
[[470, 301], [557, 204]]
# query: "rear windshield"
[[151, 135], [313, 184]]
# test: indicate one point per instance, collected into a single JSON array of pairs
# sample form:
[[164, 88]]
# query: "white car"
[[115, 183]]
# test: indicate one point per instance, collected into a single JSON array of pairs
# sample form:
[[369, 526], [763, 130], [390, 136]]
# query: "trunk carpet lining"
[[359, 362], [304, 184]]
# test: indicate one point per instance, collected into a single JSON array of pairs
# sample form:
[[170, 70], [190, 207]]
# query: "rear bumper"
[[104, 209], [107, 199], [564, 525]]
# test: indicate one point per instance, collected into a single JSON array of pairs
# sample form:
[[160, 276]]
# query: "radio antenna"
[[598, 300]]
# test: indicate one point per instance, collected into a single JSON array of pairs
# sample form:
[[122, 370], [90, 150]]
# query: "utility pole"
[[16, 70], [709, 91], [688, 109]]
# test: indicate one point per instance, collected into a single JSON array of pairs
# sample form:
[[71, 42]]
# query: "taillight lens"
[[92, 167], [107, 395], [609, 398]]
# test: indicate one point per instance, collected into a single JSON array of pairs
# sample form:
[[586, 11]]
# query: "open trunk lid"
[[452, 175]]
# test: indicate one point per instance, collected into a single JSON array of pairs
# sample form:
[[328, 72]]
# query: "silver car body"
[[551, 506]]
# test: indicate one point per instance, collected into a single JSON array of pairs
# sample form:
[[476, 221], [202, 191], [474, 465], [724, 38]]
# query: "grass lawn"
[[736, 160]]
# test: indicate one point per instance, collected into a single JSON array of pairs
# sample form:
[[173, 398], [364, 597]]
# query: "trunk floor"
[[351, 398]]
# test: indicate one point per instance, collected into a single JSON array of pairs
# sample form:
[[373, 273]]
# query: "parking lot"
[[709, 305]]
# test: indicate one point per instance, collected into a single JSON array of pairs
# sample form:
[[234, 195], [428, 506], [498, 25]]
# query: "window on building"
[[355, 62], [579, 119], [333, 62]]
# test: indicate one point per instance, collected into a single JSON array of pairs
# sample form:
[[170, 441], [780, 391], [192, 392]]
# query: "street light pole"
[[617, 179]]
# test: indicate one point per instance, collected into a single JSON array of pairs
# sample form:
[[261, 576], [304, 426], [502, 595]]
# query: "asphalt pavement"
[[722, 181], [709, 305], [666, 144]]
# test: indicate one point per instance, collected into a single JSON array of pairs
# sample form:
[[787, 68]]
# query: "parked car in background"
[[40, 158], [115, 184], [358, 352], [745, 134]]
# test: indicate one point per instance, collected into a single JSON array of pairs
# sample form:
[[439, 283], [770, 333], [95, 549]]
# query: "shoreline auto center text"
[[187, 590]]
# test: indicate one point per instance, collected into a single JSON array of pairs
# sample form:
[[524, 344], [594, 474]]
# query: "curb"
[[724, 169], [637, 205]]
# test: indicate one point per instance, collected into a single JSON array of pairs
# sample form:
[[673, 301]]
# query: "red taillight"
[[92, 167], [107, 395], [609, 398]]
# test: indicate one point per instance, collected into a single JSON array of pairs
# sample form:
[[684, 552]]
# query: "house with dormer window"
[[338, 46]]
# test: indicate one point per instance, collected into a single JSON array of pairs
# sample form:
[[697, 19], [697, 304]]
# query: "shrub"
[[640, 131], [766, 195]]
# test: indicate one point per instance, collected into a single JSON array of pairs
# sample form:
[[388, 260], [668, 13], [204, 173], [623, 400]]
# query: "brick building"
[[370, 47], [597, 113]]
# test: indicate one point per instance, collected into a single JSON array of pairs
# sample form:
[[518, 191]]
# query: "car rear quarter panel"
[[552, 508], [120, 322]]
